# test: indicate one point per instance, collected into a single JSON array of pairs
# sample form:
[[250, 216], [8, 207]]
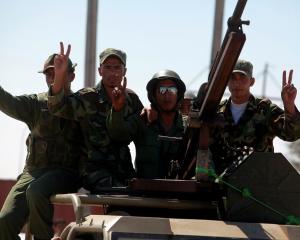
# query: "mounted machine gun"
[[210, 95], [261, 187]]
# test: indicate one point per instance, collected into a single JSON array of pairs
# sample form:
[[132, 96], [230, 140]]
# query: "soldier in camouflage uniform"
[[155, 158], [109, 162], [251, 123], [52, 162]]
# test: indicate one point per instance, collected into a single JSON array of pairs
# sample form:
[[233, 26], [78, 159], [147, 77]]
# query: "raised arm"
[[286, 124], [119, 128], [61, 69], [119, 96], [22, 107], [288, 93], [61, 104]]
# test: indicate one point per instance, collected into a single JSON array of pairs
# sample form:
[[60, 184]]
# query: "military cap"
[[243, 66], [113, 52], [49, 63]]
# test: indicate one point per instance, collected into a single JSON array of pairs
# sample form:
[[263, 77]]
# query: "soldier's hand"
[[119, 96], [288, 93], [149, 114], [60, 68]]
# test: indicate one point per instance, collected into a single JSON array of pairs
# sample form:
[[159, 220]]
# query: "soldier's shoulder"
[[266, 105], [86, 91], [130, 92], [263, 102], [38, 100], [41, 97], [132, 96]]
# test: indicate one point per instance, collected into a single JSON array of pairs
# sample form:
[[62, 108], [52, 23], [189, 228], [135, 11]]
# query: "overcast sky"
[[156, 34]]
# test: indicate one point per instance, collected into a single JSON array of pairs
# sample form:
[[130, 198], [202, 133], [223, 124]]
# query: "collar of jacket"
[[102, 93], [224, 108], [178, 122], [225, 104]]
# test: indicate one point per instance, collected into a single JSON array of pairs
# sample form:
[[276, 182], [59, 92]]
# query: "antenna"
[[265, 74], [90, 44], [217, 33]]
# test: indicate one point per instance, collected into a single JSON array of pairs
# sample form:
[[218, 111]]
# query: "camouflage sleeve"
[[283, 125], [72, 107], [133, 103], [122, 129], [124, 125], [55, 100], [23, 108]]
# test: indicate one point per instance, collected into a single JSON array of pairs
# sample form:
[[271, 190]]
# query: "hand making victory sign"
[[288, 93], [60, 68], [119, 96]]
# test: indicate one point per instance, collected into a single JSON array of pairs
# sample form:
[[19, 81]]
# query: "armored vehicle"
[[259, 197]]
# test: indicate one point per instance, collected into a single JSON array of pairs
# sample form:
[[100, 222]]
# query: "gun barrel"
[[219, 78], [238, 11]]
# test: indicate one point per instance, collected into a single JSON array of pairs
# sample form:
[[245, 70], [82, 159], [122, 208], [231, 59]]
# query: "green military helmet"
[[162, 75]]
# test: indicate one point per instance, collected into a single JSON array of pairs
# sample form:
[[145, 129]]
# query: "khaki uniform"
[[52, 163]]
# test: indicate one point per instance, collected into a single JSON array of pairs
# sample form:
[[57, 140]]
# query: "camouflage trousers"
[[29, 201]]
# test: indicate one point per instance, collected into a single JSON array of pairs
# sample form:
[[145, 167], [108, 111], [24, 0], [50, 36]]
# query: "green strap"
[[246, 193], [293, 220], [201, 170]]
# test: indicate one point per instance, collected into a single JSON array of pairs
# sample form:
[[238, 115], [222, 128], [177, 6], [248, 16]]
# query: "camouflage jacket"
[[261, 122], [52, 141], [153, 155], [90, 107]]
